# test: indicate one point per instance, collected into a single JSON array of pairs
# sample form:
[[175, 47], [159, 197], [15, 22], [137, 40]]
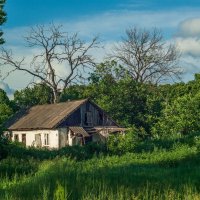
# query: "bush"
[[3, 151], [122, 143], [181, 117], [3, 145], [11, 167], [18, 150]]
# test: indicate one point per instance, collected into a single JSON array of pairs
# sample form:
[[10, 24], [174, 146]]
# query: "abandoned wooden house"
[[58, 125]]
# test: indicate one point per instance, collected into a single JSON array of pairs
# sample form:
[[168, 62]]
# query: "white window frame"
[[46, 139]]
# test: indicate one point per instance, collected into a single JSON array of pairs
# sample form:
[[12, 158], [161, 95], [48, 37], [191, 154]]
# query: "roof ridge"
[[52, 104]]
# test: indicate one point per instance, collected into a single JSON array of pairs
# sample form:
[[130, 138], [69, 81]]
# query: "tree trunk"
[[56, 96]]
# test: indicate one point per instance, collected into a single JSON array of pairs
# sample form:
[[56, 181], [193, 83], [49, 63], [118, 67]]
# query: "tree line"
[[153, 111], [127, 84]]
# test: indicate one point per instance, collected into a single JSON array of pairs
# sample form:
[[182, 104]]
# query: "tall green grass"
[[160, 174]]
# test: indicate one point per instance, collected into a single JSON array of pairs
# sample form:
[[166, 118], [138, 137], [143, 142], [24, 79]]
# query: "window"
[[46, 139], [24, 139], [88, 117], [16, 138], [38, 141]]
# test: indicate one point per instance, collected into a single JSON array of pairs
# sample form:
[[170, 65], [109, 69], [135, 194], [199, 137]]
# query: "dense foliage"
[[2, 18], [155, 169], [155, 110], [7, 108], [180, 117], [30, 96]]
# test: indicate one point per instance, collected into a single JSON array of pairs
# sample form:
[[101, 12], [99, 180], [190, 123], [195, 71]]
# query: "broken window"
[[88, 117], [46, 139], [24, 138], [16, 138]]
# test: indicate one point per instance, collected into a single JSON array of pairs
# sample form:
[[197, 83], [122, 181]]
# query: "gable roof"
[[45, 116], [79, 131]]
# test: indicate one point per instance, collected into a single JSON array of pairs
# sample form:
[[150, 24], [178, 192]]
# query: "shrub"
[[11, 167], [181, 117], [122, 143]]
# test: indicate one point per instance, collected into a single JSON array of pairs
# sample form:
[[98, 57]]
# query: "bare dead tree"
[[54, 48], [145, 56]]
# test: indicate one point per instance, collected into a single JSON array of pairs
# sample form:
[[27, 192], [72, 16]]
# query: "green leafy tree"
[[103, 80], [154, 106], [39, 94], [2, 18], [181, 117], [126, 100], [6, 109], [5, 112], [170, 92], [73, 92], [3, 97], [120, 143]]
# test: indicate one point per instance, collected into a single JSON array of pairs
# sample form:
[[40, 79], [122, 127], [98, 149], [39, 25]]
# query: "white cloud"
[[190, 28], [188, 41], [188, 37], [191, 66], [190, 46], [111, 26]]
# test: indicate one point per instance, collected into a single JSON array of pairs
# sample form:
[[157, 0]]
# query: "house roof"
[[79, 131], [106, 131], [110, 129], [45, 116]]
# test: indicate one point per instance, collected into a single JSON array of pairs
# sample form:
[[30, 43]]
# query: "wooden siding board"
[[73, 120]]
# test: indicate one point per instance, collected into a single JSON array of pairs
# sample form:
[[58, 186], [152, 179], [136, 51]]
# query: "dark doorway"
[[24, 139], [88, 118], [16, 138]]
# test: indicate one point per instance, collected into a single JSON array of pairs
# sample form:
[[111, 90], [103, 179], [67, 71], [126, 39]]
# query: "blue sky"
[[178, 20], [25, 13], [30, 12]]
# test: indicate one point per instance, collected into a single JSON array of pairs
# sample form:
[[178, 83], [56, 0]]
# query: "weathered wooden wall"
[[99, 118]]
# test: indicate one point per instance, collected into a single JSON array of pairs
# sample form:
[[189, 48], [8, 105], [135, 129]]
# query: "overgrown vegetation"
[[160, 169]]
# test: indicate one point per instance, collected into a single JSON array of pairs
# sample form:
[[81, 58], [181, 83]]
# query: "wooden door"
[[24, 139], [16, 138]]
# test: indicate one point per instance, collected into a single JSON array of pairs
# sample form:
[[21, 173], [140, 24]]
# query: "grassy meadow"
[[162, 170]]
